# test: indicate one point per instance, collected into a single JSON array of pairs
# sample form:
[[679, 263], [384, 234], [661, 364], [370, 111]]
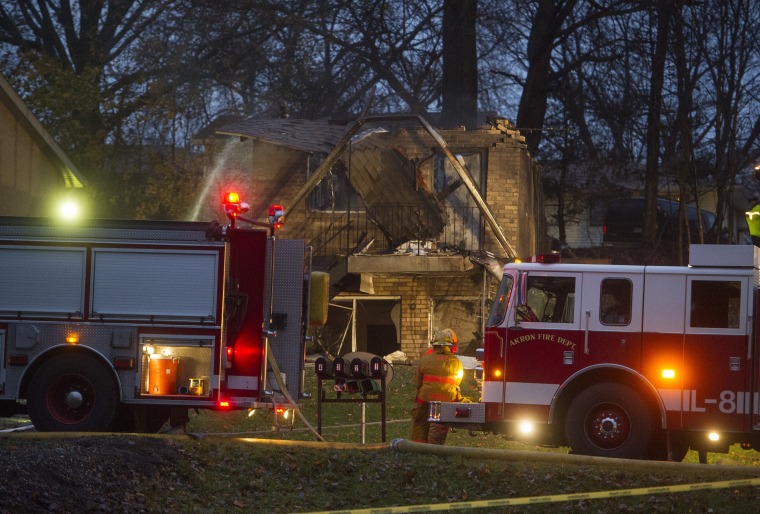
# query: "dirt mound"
[[98, 473]]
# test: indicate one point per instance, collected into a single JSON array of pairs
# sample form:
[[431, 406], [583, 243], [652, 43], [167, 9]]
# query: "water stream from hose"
[[212, 178]]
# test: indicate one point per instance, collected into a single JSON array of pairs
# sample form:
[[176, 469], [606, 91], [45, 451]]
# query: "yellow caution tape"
[[530, 500]]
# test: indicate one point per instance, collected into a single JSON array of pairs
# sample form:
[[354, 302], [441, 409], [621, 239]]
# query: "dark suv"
[[624, 221]]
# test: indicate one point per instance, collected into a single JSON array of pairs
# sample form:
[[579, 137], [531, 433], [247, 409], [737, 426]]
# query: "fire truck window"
[[715, 304], [552, 299], [615, 301], [500, 304]]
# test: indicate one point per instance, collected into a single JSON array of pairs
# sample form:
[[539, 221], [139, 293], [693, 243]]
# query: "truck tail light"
[[230, 356], [462, 412], [18, 360], [123, 363]]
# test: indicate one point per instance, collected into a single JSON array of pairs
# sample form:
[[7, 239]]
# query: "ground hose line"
[[522, 456], [284, 390], [316, 445], [403, 445]]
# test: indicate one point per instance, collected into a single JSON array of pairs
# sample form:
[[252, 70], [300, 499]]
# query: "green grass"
[[236, 471]]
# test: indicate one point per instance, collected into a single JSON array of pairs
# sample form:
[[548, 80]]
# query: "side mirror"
[[524, 313]]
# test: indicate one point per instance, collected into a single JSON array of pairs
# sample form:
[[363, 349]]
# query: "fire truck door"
[[716, 370], [542, 339], [611, 319]]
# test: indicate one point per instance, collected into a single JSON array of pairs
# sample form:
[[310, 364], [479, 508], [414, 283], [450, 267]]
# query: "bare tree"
[[76, 45], [460, 65]]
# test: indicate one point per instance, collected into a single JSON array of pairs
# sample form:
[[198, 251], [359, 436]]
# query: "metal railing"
[[387, 228]]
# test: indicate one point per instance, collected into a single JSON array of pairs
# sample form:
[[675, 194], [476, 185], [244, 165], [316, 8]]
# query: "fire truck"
[[623, 361], [122, 325]]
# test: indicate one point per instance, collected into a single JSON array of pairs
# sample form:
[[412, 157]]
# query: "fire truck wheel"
[[73, 393], [609, 420]]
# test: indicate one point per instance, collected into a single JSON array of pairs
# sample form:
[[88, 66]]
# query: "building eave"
[[69, 173]]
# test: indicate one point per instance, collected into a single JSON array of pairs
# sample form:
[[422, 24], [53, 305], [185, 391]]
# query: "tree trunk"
[[544, 31], [651, 175], [460, 64]]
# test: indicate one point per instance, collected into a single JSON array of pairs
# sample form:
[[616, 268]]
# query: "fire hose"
[[284, 390]]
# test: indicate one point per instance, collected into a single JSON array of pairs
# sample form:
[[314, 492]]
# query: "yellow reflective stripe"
[[553, 498]]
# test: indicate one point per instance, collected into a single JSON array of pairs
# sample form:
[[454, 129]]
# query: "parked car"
[[624, 221]]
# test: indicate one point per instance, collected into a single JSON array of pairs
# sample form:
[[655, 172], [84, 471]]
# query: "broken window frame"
[[329, 195]]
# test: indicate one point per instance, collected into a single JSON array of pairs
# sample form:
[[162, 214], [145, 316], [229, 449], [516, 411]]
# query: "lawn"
[[253, 464]]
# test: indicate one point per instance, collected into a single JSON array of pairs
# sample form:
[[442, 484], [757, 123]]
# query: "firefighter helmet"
[[445, 337]]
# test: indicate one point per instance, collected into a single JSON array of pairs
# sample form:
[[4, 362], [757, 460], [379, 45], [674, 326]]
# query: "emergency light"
[[230, 357], [233, 207], [276, 217], [546, 258]]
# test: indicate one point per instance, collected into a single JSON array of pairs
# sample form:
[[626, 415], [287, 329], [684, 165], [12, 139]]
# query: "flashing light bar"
[[546, 258]]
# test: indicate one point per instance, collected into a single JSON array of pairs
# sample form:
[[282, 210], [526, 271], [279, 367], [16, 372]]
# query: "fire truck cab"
[[623, 361]]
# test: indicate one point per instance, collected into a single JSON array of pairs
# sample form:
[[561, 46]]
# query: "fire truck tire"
[[609, 420], [72, 393]]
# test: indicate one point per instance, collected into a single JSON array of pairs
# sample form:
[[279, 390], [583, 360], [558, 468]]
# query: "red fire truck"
[[623, 361], [118, 325]]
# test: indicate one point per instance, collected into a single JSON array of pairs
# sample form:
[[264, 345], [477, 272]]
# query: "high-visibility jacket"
[[753, 220], [438, 376]]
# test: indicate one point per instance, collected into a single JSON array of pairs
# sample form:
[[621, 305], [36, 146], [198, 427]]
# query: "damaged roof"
[[378, 170], [313, 136], [381, 172]]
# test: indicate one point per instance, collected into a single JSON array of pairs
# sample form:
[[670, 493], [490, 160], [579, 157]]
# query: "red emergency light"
[[546, 258], [276, 217], [230, 356], [233, 206]]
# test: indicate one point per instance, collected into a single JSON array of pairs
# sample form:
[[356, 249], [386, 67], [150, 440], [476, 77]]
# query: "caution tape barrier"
[[553, 498]]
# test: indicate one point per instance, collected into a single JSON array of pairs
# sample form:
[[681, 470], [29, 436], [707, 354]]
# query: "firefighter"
[[438, 376], [753, 220]]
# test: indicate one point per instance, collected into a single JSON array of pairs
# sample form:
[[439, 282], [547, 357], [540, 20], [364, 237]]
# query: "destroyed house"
[[411, 222]]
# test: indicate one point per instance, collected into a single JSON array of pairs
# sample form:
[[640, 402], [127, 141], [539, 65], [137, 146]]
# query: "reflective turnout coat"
[[438, 376]]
